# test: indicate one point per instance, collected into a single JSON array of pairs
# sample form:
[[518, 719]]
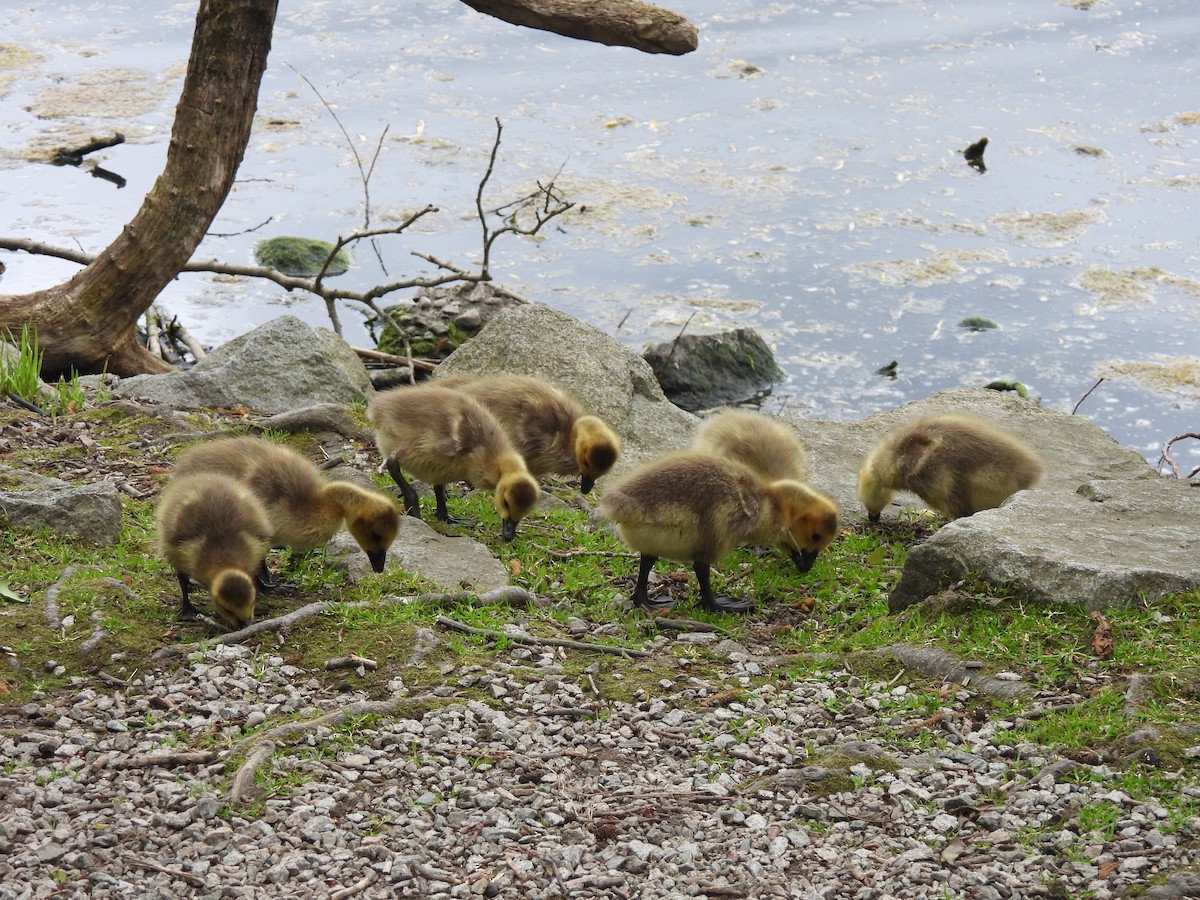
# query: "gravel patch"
[[538, 788]]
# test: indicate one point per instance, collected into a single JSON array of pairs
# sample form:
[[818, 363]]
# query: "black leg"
[[443, 514], [187, 612], [263, 580], [716, 604], [412, 503], [641, 594]]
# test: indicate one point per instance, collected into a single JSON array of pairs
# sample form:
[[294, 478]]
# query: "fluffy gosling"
[[957, 465], [764, 445], [697, 508], [213, 529], [549, 428], [305, 509], [441, 435]]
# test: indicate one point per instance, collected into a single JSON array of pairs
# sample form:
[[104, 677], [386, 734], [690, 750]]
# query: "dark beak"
[[804, 559], [586, 482], [378, 559], [509, 529]]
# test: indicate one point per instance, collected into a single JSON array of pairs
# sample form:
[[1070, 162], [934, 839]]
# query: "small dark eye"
[[816, 537]]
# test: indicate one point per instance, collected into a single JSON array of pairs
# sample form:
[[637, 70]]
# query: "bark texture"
[[88, 322], [620, 23]]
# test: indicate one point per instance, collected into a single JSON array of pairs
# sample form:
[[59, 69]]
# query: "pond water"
[[800, 173]]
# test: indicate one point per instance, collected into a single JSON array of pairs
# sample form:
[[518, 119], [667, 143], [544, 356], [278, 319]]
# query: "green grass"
[[21, 374], [826, 624]]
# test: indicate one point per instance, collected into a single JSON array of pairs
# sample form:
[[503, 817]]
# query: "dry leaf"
[[514, 566], [1102, 639]]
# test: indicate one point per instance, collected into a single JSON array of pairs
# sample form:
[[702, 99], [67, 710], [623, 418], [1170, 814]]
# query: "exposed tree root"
[[514, 596], [518, 637]]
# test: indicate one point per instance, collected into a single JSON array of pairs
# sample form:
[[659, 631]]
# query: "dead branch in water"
[[544, 203], [1164, 458]]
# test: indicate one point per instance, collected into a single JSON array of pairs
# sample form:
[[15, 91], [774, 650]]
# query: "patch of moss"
[[977, 323], [300, 257]]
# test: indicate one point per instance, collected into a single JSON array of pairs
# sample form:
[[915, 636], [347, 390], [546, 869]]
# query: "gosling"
[[304, 508], [441, 435], [764, 445], [697, 508], [549, 428], [768, 447], [213, 529], [957, 465]]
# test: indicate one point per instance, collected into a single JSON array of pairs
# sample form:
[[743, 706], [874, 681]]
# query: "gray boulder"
[[89, 512], [1110, 542], [281, 365], [609, 380], [451, 563], [700, 371]]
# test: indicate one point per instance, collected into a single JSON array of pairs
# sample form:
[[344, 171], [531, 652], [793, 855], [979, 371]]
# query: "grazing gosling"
[[549, 428], [957, 465], [213, 529], [766, 446], [304, 508], [697, 508], [441, 435]]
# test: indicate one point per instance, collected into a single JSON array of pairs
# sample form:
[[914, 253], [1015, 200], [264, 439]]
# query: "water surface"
[[800, 173]]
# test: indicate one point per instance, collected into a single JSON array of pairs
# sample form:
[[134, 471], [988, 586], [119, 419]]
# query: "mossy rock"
[[703, 371], [428, 337], [440, 319], [1008, 384], [300, 257], [977, 323]]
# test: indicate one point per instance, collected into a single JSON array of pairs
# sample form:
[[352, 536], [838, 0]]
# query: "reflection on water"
[[802, 172]]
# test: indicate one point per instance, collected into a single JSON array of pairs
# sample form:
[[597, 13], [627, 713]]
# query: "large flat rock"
[[1108, 544], [1101, 529], [451, 563]]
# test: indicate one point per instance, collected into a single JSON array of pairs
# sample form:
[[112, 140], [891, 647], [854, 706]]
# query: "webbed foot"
[[727, 605], [653, 604]]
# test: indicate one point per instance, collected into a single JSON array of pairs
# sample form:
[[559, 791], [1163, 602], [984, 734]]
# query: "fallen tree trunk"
[[618, 23]]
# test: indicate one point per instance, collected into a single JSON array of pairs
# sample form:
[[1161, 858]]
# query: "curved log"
[[618, 23]]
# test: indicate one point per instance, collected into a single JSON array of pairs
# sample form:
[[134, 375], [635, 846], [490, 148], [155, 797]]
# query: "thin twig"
[[514, 596], [171, 760], [193, 880], [581, 552], [353, 661], [152, 343], [358, 887], [675, 343], [1085, 396], [263, 223], [395, 360], [52, 618], [335, 717]]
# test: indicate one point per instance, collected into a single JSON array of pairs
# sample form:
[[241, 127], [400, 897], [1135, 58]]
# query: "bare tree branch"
[[619, 23], [1165, 457]]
